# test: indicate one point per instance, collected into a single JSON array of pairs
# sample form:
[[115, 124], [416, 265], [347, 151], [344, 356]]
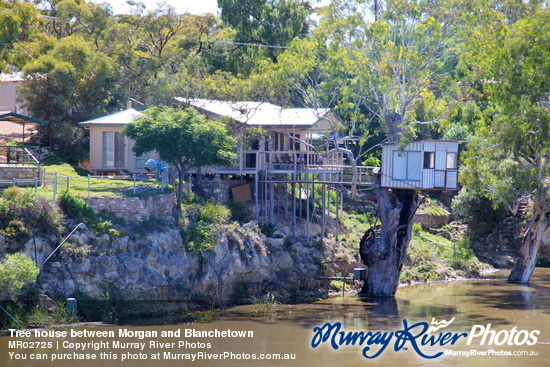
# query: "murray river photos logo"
[[418, 336]]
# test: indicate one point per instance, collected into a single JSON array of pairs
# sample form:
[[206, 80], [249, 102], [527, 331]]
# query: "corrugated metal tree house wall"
[[426, 164]]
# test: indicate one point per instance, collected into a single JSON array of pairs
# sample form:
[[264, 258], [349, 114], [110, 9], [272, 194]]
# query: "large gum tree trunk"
[[383, 248], [539, 231]]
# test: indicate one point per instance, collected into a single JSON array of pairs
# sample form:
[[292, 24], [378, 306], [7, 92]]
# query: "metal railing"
[[14, 155], [54, 184]]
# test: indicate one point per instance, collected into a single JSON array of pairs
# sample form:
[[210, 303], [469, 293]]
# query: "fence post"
[[55, 185], [88, 185], [13, 184], [135, 183], [35, 185]]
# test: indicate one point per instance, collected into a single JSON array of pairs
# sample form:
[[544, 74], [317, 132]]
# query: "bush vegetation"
[[16, 271], [23, 214], [428, 252], [481, 213], [239, 212]]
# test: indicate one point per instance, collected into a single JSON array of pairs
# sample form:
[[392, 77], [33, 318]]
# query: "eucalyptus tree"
[[510, 159], [16, 27], [272, 24], [70, 17], [70, 83], [402, 53]]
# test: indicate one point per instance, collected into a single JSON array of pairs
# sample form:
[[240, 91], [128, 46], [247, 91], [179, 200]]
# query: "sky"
[[190, 6]]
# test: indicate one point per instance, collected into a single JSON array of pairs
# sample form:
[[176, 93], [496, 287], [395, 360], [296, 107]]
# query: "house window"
[[429, 160], [297, 142], [451, 160], [113, 149], [406, 165]]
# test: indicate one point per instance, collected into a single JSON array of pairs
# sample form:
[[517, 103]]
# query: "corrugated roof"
[[259, 113], [12, 77], [19, 119], [116, 119]]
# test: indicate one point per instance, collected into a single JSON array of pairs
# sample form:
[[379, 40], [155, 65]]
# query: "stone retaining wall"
[[217, 190], [134, 209], [430, 221], [25, 175]]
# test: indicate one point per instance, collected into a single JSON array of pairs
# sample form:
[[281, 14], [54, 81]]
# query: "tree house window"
[[406, 165]]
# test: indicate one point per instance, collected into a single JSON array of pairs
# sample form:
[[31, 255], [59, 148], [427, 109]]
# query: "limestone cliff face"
[[157, 267]]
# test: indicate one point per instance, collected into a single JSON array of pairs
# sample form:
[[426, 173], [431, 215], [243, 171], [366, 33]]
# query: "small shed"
[[425, 164]]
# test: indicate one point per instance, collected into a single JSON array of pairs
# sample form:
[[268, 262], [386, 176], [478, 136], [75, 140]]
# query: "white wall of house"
[[106, 142], [430, 164], [9, 83]]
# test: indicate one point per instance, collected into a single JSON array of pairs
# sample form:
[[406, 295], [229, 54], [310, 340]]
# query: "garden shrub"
[[23, 214], [239, 212], [214, 213], [16, 271], [75, 207], [268, 229], [199, 237]]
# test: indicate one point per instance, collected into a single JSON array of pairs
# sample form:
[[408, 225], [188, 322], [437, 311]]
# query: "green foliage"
[[71, 82], [198, 316], [337, 285], [199, 237], [151, 224], [75, 207], [239, 212], [22, 214], [241, 294], [268, 305], [195, 140], [319, 244], [16, 271], [268, 229], [436, 211], [372, 161], [110, 307], [77, 250], [417, 228], [15, 30], [101, 227], [430, 257], [33, 316], [322, 266], [507, 161], [463, 257], [481, 213], [261, 21], [214, 213], [288, 243]]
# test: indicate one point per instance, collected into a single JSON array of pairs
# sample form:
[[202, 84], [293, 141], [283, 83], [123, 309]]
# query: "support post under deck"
[[256, 193]]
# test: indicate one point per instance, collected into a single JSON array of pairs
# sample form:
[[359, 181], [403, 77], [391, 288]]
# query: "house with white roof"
[[110, 151], [285, 139]]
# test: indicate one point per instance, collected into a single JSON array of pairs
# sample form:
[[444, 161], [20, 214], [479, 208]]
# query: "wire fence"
[[54, 184]]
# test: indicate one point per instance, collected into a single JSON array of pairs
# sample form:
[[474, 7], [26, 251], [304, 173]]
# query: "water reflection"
[[289, 328]]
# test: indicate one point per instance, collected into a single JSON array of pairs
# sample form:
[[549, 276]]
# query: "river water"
[[517, 315]]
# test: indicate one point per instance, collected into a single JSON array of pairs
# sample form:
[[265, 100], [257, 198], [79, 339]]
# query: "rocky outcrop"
[[157, 267]]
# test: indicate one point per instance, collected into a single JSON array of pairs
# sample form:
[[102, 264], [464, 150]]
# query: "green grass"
[[433, 207], [429, 253], [354, 226], [78, 182]]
